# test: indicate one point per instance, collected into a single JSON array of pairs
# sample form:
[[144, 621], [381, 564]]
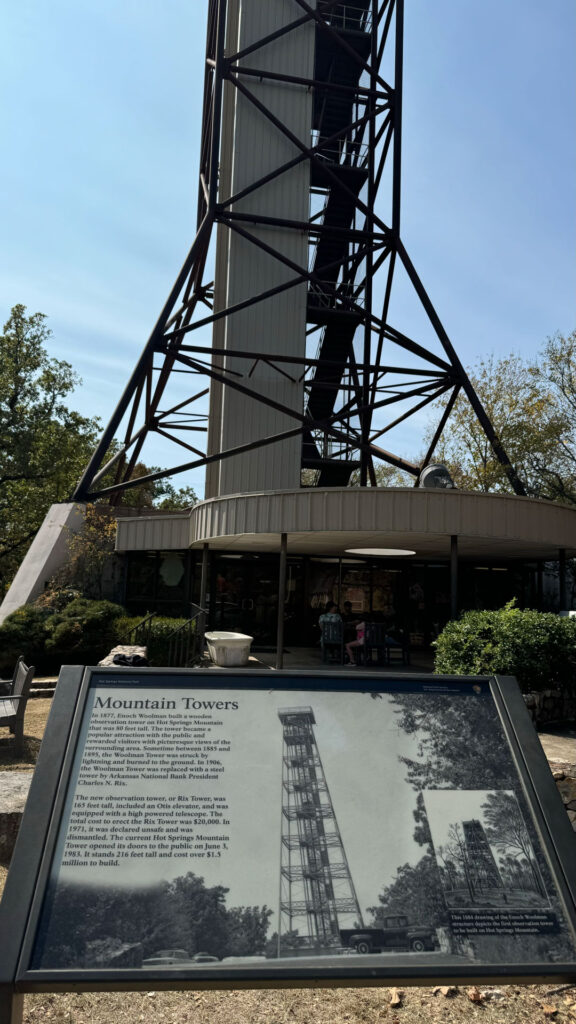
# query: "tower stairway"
[[316, 885], [339, 172]]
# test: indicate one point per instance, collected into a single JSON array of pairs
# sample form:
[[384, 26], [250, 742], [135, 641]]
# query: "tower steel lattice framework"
[[482, 867], [316, 886], [360, 377]]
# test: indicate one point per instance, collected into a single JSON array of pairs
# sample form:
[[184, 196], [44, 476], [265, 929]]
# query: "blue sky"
[[101, 109]]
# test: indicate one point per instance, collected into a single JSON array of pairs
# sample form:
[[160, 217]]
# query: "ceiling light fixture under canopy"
[[379, 552]]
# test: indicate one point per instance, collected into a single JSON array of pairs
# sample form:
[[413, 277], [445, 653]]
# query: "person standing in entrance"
[[331, 630]]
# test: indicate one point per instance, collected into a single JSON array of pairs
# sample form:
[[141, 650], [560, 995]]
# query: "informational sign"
[[209, 827]]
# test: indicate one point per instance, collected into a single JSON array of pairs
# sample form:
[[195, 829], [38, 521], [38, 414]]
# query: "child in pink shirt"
[[358, 642]]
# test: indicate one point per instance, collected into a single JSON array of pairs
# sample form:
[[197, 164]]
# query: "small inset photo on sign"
[[483, 850]]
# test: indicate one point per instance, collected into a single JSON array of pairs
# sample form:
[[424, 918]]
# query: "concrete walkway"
[[560, 745], [310, 658]]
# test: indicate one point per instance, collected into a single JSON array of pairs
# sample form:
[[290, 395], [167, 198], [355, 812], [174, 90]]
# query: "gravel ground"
[[506, 1005], [34, 724]]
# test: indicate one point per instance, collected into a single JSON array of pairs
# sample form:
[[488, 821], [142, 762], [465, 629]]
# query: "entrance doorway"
[[244, 597]]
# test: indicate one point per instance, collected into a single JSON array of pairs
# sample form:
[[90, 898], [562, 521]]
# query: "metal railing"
[[346, 16], [186, 643], [343, 151], [327, 295], [140, 633]]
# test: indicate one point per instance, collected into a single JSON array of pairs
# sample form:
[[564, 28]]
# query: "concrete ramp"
[[47, 553]]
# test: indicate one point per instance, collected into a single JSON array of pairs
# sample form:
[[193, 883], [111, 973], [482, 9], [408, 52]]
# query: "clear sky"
[[101, 106]]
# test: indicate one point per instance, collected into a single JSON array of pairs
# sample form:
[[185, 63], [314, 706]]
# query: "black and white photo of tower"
[[316, 889], [484, 850]]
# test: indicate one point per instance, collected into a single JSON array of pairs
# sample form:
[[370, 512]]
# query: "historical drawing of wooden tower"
[[316, 887], [284, 308], [482, 867]]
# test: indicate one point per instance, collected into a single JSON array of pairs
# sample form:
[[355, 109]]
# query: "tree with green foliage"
[[88, 552], [557, 373], [44, 445], [385, 475], [151, 493], [525, 417], [532, 406]]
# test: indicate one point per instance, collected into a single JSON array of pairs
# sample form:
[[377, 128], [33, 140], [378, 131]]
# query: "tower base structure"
[[410, 558], [47, 553], [468, 550]]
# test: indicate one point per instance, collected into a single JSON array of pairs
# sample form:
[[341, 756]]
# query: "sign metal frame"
[[28, 876]]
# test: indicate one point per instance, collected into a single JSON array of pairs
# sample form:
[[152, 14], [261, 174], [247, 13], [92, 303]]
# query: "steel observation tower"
[[316, 887], [281, 320]]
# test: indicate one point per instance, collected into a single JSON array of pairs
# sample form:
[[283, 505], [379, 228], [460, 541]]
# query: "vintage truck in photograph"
[[394, 933]]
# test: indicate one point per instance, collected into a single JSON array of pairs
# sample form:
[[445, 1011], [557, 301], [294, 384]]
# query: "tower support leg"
[[11, 1007], [562, 579], [453, 577], [281, 595]]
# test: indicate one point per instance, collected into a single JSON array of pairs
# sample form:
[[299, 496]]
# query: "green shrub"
[[92, 613], [82, 632], [157, 639], [23, 632], [57, 599], [123, 627], [159, 643], [539, 648], [65, 636]]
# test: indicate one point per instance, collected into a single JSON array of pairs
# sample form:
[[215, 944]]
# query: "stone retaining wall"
[[565, 778], [550, 706]]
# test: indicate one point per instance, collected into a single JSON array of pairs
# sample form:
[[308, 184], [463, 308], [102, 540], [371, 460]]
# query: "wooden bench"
[[13, 705]]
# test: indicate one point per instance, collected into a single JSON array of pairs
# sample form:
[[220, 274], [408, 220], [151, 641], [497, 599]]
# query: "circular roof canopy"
[[331, 521]]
